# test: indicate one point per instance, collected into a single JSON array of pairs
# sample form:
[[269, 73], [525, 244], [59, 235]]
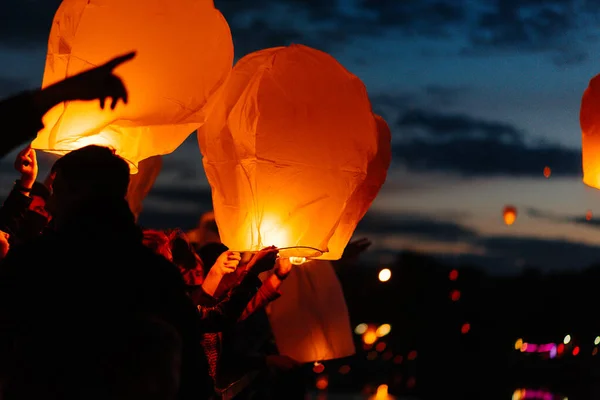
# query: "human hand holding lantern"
[[263, 261], [227, 263], [283, 267]]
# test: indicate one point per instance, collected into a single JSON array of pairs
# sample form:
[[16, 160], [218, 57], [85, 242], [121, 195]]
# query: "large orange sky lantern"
[[287, 148], [589, 119], [364, 195], [184, 54]]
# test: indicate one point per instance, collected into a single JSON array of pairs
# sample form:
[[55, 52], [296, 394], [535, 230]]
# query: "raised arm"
[[23, 113], [227, 312]]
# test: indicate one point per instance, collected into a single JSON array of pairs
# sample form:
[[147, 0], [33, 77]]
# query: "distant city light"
[[576, 350], [360, 329], [318, 367], [369, 337], [383, 330], [385, 275], [597, 341], [455, 295], [465, 328], [567, 339], [453, 275]]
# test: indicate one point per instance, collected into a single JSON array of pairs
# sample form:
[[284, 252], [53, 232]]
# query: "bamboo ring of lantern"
[[286, 148], [184, 54], [589, 120]]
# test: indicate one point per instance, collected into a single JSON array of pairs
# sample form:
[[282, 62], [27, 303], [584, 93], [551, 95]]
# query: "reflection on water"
[[523, 393]]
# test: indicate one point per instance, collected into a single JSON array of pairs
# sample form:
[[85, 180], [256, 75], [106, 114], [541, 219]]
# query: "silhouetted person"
[[69, 299], [23, 214], [22, 114]]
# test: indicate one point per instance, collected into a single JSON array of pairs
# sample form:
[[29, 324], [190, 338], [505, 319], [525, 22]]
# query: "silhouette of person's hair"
[[40, 190], [183, 252], [159, 242], [94, 169]]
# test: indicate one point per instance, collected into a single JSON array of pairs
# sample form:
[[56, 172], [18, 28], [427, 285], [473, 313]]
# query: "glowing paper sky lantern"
[[291, 141], [589, 119], [184, 54], [509, 214], [364, 195], [311, 322]]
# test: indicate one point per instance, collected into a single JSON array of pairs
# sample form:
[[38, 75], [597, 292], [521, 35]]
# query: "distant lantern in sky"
[[184, 54], [292, 140], [547, 172], [510, 215], [589, 120]]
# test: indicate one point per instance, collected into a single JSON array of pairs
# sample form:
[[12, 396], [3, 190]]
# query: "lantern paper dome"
[[589, 119], [364, 195], [184, 54], [289, 144]]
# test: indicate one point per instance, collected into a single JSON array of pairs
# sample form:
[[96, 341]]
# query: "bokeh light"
[[385, 275]]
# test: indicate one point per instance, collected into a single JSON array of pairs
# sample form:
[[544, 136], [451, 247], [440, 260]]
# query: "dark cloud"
[[561, 218], [418, 17], [167, 220], [500, 254], [416, 226], [445, 95], [457, 125], [487, 26], [533, 26], [198, 195], [547, 254], [430, 141], [173, 216], [26, 23], [11, 86]]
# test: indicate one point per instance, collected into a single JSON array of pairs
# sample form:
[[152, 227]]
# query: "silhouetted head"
[[159, 242], [90, 175], [40, 195]]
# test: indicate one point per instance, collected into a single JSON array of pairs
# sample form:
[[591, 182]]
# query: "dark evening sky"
[[480, 95]]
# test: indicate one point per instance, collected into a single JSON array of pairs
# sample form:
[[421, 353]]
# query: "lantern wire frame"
[[295, 251]]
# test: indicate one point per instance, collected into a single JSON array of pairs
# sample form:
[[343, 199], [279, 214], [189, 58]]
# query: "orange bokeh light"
[[547, 172]]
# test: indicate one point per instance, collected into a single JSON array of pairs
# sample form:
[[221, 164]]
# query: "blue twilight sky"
[[480, 95]]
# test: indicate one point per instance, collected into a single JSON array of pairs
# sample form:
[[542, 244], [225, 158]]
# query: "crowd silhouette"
[[93, 306]]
